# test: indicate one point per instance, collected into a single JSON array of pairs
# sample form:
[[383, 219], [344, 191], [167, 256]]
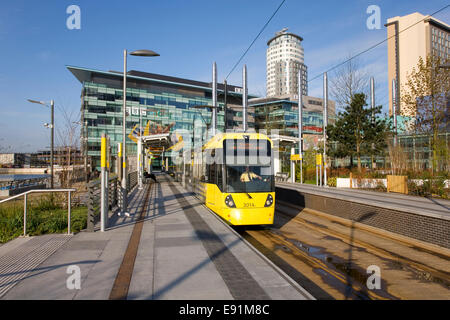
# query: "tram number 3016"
[[248, 204]]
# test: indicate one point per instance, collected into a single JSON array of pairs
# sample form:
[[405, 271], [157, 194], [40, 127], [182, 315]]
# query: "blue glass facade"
[[282, 115], [167, 104]]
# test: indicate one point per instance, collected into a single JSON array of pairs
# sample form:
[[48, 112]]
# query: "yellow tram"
[[233, 174]]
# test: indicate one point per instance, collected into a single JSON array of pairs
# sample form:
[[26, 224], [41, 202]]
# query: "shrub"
[[332, 182], [432, 186], [380, 187], [43, 217]]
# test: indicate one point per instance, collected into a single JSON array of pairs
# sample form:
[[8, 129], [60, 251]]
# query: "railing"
[[132, 180], [69, 191], [94, 197], [93, 203], [114, 196], [178, 176]]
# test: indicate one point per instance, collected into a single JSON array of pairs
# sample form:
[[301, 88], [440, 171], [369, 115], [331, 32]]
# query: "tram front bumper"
[[249, 216]]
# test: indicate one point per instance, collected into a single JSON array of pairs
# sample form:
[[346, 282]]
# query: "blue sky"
[[189, 36]]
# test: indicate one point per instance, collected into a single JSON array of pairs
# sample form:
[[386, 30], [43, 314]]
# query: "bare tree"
[[397, 157], [68, 140], [348, 80]]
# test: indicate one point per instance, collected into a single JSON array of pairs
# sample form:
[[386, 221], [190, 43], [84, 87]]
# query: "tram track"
[[443, 276], [330, 273], [300, 260]]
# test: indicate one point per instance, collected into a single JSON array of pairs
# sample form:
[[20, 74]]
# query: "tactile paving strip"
[[239, 281], [17, 265]]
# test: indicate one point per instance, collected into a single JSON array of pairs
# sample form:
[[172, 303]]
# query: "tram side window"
[[211, 173], [207, 174], [219, 180]]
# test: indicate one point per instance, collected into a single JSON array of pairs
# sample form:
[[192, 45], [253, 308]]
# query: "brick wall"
[[424, 228]]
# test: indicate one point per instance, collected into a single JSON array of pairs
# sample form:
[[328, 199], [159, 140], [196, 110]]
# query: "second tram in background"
[[233, 174]]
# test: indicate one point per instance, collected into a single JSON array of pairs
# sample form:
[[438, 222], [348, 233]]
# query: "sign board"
[[296, 157], [105, 152], [318, 159]]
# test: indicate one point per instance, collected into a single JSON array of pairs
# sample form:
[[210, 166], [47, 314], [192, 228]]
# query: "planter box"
[[397, 184]]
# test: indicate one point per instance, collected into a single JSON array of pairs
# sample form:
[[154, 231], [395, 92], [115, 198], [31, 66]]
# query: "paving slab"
[[185, 252]]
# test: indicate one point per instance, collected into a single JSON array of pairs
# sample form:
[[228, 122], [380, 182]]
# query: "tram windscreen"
[[248, 166]]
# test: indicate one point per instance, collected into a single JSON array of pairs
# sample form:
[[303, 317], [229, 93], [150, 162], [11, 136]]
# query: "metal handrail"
[[24, 194]]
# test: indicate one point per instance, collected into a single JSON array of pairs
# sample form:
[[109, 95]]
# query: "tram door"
[[211, 185]]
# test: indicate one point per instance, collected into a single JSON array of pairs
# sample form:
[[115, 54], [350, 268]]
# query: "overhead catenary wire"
[[256, 38], [379, 43]]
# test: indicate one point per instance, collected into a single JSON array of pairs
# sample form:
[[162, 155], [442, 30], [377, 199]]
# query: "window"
[[250, 171]]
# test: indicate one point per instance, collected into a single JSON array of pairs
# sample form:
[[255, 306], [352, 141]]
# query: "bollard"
[[292, 166], [317, 175], [68, 212], [320, 174], [103, 185], [318, 167], [25, 215]]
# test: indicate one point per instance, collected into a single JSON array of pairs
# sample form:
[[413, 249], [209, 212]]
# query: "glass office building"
[[279, 116], [166, 103], [282, 115]]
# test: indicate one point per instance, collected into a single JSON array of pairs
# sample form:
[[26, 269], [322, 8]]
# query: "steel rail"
[[24, 194], [375, 250]]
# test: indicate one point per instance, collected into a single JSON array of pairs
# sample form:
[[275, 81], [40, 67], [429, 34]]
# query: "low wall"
[[12, 192], [372, 183], [360, 183], [22, 170], [417, 226]]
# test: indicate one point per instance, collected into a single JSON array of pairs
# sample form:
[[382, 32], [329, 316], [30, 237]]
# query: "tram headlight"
[[269, 201], [229, 201]]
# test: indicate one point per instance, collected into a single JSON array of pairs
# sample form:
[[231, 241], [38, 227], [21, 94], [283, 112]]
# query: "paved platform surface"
[[437, 208], [184, 252]]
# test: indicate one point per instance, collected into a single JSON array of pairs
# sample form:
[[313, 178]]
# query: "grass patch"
[[44, 215]]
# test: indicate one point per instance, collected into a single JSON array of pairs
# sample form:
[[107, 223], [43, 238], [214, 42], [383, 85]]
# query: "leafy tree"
[[355, 133], [425, 96]]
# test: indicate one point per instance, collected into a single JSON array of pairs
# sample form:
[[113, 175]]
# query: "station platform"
[[418, 218], [170, 248], [435, 208]]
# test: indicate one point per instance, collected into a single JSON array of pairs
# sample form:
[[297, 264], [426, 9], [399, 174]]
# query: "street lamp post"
[[394, 107], [214, 99], [325, 124], [225, 107], [300, 122], [141, 53], [52, 126], [139, 157]]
